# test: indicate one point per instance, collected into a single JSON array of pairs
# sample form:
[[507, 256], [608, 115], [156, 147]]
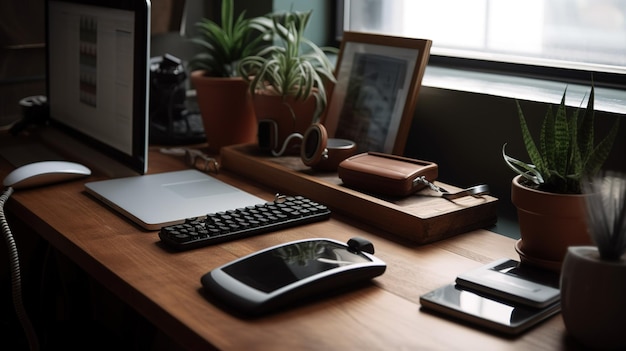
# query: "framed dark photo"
[[378, 79]]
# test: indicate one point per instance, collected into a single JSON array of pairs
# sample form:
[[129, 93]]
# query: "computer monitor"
[[97, 75]]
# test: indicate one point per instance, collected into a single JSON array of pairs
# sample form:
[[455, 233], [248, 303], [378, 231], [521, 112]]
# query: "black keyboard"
[[284, 212]]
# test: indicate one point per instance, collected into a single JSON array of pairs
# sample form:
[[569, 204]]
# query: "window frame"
[[547, 72]]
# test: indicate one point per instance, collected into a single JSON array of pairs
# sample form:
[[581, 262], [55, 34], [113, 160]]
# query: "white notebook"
[[163, 199]]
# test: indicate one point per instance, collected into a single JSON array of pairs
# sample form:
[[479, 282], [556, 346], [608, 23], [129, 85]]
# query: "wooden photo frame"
[[378, 79]]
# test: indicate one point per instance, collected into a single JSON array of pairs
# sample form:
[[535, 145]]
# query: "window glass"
[[575, 34]]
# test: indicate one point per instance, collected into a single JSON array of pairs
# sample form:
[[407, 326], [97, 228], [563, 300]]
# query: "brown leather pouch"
[[386, 174]]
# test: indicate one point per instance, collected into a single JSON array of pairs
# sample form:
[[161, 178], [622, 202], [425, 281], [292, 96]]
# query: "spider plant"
[[293, 66], [223, 46], [567, 153]]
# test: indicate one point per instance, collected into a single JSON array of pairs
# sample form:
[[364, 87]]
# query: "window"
[[564, 38]]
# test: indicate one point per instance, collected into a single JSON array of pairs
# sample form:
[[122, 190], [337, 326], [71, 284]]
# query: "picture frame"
[[374, 99]]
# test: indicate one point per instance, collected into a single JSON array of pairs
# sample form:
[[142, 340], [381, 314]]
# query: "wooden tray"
[[421, 218]]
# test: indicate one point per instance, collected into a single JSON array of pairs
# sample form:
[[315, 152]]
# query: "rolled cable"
[[16, 280]]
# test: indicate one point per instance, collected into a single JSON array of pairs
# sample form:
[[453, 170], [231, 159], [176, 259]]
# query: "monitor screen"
[[97, 74]]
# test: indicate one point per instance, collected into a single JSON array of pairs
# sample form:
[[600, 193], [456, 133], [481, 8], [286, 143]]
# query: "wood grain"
[[422, 218], [164, 286]]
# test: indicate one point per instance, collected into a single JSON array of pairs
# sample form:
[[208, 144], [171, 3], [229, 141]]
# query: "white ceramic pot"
[[593, 298]]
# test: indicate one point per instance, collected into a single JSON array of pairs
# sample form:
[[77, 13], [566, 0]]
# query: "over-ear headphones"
[[317, 150]]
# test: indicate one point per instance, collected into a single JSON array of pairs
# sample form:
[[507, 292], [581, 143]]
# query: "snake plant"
[[223, 46], [567, 153], [293, 66]]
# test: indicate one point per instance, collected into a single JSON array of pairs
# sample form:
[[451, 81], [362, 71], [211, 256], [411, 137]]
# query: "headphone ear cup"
[[313, 149], [320, 152]]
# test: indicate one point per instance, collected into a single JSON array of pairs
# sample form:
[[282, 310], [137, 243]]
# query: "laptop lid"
[[156, 200], [97, 75]]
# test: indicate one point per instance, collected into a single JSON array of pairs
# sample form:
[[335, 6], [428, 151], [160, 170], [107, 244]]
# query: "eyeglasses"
[[201, 161]]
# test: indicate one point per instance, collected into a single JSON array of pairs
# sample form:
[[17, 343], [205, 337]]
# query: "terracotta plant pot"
[[549, 224], [290, 116], [592, 298], [227, 111]]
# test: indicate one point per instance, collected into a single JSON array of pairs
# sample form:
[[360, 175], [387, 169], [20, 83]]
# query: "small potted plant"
[[593, 278], [289, 79], [547, 192], [223, 99]]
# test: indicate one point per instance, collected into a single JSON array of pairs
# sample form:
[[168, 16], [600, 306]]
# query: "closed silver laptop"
[[156, 200]]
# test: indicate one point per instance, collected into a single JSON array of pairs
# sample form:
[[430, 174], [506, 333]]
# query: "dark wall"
[[22, 55]]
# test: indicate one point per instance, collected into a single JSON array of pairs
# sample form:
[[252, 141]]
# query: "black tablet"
[[272, 278]]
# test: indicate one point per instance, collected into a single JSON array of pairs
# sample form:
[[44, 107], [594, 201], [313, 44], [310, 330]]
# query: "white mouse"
[[44, 172]]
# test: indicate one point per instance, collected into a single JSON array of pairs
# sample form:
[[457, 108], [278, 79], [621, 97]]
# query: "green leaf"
[[561, 140], [526, 170], [293, 65], [229, 42], [529, 143], [547, 143], [566, 155], [586, 127], [602, 151], [227, 17]]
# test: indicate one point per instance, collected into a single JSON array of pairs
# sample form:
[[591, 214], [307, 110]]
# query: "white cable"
[[16, 281], [282, 150]]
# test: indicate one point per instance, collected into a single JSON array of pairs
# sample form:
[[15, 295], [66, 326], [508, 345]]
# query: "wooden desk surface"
[[165, 286]]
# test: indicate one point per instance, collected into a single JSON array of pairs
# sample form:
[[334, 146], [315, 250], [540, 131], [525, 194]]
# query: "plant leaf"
[[586, 127], [229, 42], [561, 141], [566, 154], [529, 143], [602, 150], [526, 170]]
